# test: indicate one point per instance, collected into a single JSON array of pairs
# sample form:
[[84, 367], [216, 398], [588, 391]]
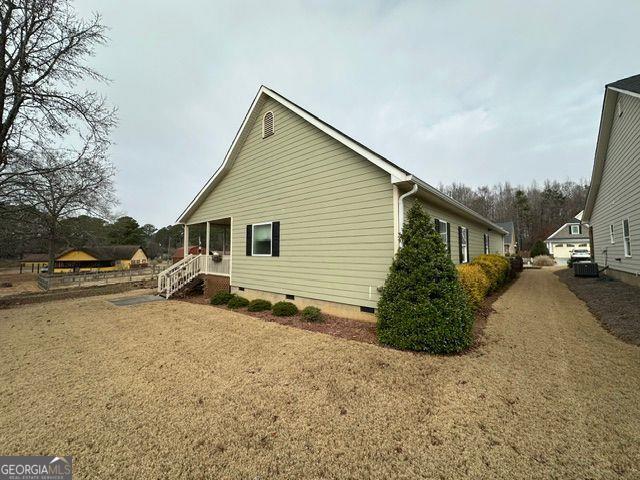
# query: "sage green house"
[[314, 216], [613, 203]]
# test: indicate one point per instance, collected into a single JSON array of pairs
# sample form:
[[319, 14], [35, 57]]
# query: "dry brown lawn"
[[172, 389], [20, 283]]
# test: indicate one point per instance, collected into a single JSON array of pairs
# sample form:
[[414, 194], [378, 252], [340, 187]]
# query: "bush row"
[[485, 274], [280, 309]]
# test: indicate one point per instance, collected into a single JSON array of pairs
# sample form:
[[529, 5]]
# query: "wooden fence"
[[91, 279]]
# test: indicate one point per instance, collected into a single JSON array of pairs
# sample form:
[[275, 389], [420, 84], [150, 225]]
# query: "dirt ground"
[[20, 283], [172, 389], [616, 304]]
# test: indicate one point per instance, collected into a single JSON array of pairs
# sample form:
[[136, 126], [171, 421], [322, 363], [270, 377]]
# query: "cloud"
[[480, 92]]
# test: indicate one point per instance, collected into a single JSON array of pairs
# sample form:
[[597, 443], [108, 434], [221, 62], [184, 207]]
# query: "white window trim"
[[577, 227], [612, 236], [465, 246], [273, 116], [253, 236], [446, 232], [627, 252]]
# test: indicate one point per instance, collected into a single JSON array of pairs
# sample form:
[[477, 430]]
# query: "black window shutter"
[[437, 224], [579, 229], [468, 242], [275, 239], [460, 244], [249, 231], [448, 238]]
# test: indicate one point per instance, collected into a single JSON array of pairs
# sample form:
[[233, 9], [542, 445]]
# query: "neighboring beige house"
[[314, 215], [573, 234], [510, 242], [613, 204]]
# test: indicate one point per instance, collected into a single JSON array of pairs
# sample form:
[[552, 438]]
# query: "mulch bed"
[[11, 301], [337, 326], [360, 331], [616, 304]]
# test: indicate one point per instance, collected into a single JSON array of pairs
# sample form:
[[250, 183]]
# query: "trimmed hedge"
[[312, 314], [423, 306], [238, 302], [221, 298], [259, 305], [475, 282], [284, 309], [496, 267]]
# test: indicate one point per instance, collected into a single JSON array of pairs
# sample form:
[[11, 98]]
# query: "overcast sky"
[[474, 91]]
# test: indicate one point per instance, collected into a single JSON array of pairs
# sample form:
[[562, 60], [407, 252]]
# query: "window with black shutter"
[[263, 239]]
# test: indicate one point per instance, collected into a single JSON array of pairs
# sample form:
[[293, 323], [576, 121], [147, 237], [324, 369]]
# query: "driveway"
[[171, 389]]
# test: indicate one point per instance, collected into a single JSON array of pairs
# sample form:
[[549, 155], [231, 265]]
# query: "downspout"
[[401, 206]]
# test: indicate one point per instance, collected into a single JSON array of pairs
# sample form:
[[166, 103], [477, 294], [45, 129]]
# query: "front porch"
[[216, 251], [212, 260]]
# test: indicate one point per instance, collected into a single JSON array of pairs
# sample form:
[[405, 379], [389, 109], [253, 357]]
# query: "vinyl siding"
[[475, 234], [335, 210], [619, 194]]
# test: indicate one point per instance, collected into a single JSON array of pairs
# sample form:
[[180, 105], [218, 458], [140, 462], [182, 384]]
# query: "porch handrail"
[[179, 274]]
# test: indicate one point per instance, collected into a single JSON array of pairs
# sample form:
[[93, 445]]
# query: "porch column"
[[186, 240], [206, 265]]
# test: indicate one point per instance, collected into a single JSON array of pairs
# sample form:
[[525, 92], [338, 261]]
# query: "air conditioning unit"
[[585, 269]]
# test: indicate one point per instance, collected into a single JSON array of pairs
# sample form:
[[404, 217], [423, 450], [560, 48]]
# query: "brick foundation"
[[214, 284]]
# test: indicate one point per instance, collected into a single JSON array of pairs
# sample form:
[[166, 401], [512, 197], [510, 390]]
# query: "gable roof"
[[398, 174], [107, 252], [561, 233], [35, 257], [627, 86], [510, 228]]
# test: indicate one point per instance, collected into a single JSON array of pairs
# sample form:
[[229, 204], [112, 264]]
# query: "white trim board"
[[397, 174]]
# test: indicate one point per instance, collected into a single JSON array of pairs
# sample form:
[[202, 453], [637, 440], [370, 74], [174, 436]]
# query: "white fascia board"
[[332, 132], [226, 164], [550, 237], [456, 204], [602, 145], [626, 92], [395, 172]]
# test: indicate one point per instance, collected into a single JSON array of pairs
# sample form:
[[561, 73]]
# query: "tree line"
[[22, 232], [537, 210]]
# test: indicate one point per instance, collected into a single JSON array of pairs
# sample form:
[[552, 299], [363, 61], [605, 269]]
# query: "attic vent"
[[267, 125]]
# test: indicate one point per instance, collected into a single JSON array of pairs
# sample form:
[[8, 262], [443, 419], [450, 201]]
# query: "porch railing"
[[181, 273]]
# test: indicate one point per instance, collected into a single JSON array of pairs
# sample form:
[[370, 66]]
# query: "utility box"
[[585, 269]]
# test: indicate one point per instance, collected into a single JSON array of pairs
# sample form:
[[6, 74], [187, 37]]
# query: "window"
[[570, 245], [464, 245], [486, 243], [583, 245], [626, 237], [575, 229], [611, 235], [441, 227], [261, 239], [268, 125]]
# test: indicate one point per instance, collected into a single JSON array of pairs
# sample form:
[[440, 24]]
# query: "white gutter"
[[401, 206]]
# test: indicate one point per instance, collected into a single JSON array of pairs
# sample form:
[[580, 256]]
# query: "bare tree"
[[84, 185], [43, 52]]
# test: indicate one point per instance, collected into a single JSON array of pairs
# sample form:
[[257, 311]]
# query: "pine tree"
[[423, 306]]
